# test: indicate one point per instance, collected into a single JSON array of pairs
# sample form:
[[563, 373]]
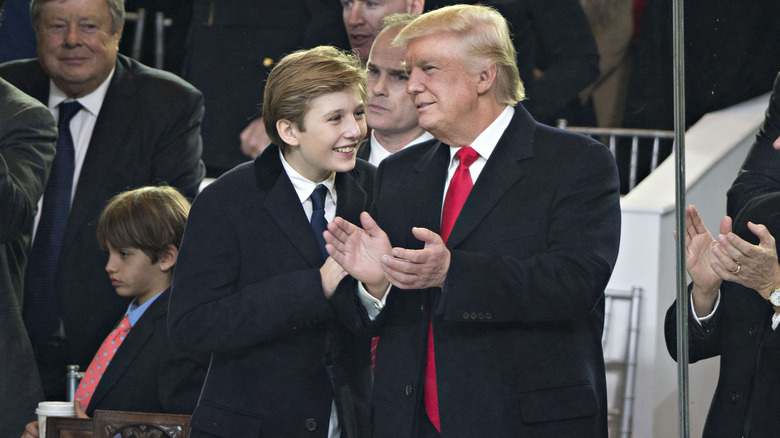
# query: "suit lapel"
[[351, 198], [281, 203], [133, 344], [431, 176], [501, 172], [113, 122]]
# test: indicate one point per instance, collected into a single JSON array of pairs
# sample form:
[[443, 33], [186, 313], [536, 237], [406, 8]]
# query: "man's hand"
[[254, 139], [422, 268], [359, 250], [331, 273], [700, 259], [753, 266]]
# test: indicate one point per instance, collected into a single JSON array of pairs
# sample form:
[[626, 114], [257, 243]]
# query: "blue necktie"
[[318, 221], [41, 312]]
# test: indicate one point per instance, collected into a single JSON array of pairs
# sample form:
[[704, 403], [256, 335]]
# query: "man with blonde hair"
[[488, 301]]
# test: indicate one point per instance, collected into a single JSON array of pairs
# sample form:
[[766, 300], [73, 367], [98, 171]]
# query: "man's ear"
[[486, 79], [168, 258], [415, 6], [119, 35], [288, 131]]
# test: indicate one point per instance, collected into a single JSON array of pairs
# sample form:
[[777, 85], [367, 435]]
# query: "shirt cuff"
[[372, 305], [704, 319]]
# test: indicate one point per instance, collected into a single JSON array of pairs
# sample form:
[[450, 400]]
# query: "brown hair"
[[147, 218], [303, 76], [483, 38]]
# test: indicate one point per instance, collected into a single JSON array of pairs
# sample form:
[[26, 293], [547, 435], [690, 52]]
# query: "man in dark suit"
[[760, 173], [735, 310], [496, 332], [136, 126], [390, 114], [252, 286], [27, 137]]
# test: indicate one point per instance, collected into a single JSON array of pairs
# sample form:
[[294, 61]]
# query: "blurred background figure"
[[239, 42]]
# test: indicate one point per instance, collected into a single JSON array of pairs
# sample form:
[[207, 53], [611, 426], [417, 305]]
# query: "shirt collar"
[[92, 102], [425, 136], [486, 142], [304, 187], [134, 311]]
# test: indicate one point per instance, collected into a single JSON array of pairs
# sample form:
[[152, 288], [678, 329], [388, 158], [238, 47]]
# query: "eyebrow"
[[392, 71]]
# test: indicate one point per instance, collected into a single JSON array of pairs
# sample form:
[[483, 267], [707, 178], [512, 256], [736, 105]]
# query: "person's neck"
[[394, 142], [486, 113]]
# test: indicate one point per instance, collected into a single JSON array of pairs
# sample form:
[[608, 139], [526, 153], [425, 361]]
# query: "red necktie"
[[100, 362], [460, 186]]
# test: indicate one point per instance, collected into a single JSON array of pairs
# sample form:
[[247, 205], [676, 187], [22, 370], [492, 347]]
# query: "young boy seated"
[[136, 368], [254, 286]]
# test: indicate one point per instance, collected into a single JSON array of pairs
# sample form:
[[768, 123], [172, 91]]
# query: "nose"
[[72, 35], [110, 268], [378, 85], [356, 130], [414, 84], [354, 15]]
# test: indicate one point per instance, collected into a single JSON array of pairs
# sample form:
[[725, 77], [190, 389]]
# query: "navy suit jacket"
[[147, 133], [746, 399], [147, 373], [247, 289], [517, 327]]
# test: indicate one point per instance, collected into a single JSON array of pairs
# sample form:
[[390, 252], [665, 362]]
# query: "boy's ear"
[[168, 258], [288, 131]]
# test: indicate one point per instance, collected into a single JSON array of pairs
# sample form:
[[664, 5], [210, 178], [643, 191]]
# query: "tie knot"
[[124, 325], [467, 156], [68, 110], [318, 197]]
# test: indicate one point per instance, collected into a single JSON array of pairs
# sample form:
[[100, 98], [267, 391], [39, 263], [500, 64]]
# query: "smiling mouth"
[[346, 149]]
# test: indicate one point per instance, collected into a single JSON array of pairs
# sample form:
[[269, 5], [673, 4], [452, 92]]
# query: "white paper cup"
[[52, 409]]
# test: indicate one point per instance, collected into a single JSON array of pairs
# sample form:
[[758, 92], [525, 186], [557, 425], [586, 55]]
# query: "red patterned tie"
[[460, 186], [100, 362]]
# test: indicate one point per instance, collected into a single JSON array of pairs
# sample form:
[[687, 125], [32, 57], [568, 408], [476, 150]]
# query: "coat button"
[[422, 308], [734, 398], [481, 315], [473, 315], [409, 390], [311, 424], [466, 315], [488, 316], [753, 331], [327, 360]]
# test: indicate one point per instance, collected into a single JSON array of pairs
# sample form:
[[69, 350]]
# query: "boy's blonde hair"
[[303, 76]]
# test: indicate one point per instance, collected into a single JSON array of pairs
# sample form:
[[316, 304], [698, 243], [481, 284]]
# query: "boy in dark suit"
[[136, 368], [254, 286]]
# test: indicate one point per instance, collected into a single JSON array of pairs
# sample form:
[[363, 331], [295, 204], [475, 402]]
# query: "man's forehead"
[[397, 4]]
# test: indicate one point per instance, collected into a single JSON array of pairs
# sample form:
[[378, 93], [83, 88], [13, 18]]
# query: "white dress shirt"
[[81, 127], [379, 153]]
